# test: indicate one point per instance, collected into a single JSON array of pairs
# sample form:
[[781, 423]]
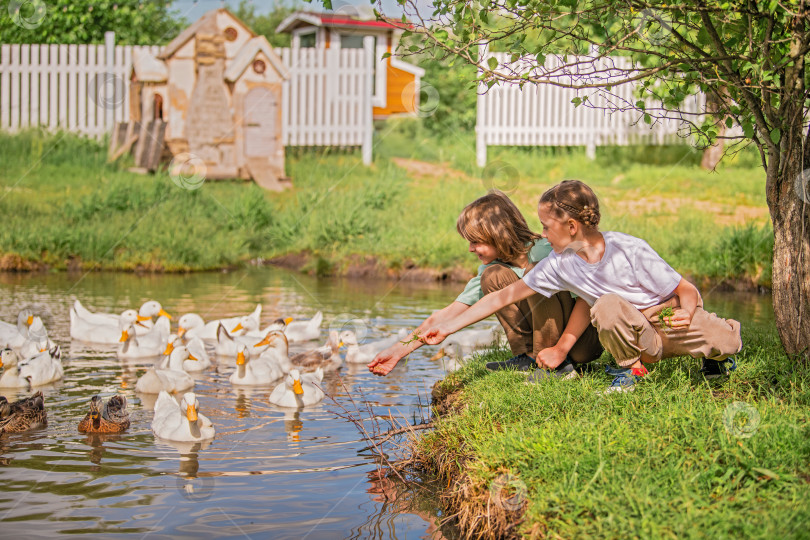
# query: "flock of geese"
[[261, 355]]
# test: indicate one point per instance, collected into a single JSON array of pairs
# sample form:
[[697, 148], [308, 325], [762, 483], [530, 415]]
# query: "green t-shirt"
[[472, 292]]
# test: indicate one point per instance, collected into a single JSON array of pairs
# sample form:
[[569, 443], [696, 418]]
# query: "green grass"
[[61, 201], [665, 461]]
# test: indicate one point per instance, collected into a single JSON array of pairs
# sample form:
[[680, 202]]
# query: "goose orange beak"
[[163, 313], [191, 413], [237, 328], [266, 341], [181, 331], [439, 355], [240, 358], [288, 320], [30, 320], [124, 336], [192, 357], [297, 387], [169, 348], [142, 318]]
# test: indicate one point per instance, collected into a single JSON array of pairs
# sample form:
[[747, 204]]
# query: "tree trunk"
[[790, 214]]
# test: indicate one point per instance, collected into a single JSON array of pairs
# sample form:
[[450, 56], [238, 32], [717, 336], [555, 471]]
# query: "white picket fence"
[[85, 89], [543, 114]]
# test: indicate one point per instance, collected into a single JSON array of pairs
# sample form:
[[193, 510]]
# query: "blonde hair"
[[495, 220], [574, 199]]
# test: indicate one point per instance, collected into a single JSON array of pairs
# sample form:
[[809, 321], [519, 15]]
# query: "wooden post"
[[109, 80]]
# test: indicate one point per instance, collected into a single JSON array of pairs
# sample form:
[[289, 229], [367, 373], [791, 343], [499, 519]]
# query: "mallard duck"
[[22, 415], [363, 354], [109, 417], [180, 422], [173, 378], [253, 372], [298, 390], [326, 356], [192, 325], [153, 343], [198, 356], [44, 368], [304, 330]]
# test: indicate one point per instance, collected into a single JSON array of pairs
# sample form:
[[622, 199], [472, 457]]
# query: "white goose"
[[228, 345], [253, 372], [86, 325], [13, 336], [471, 339], [304, 330], [172, 378], [181, 421], [153, 343], [298, 390], [249, 327], [363, 354], [108, 331], [196, 349], [44, 368], [37, 340], [192, 325]]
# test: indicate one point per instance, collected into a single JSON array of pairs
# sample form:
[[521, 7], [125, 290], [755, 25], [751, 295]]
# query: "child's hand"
[[435, 335], [550, 358], [384, 362], [679, 320]]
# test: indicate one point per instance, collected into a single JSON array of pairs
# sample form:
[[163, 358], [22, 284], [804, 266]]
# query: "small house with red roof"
[[395, 84]]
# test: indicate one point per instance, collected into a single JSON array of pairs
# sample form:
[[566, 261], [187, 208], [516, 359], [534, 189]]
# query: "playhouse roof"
[[248, 53], [147, 68], [338, 20], [174, 45]]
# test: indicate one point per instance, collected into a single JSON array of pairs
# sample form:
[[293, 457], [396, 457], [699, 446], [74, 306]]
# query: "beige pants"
[[537, 322], [626, 332]]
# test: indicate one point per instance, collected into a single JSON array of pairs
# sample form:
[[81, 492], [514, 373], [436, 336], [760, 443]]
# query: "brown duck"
[[110, 417], [22, 415]]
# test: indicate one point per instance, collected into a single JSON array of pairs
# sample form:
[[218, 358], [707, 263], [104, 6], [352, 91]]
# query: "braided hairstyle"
[[574, 199]]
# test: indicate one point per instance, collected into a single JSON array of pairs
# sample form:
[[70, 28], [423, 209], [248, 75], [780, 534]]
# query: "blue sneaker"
[[624, 380], [712, 369]]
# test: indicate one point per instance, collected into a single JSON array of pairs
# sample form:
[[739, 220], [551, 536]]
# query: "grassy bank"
[[680, 457], [64, 205]]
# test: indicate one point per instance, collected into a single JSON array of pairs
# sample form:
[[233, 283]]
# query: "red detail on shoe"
[[639, 372]]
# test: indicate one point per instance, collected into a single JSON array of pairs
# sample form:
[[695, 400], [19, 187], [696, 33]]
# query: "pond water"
[[269, 472]]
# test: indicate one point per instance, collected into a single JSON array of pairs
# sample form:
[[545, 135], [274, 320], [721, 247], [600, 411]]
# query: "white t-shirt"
[[629, 268]]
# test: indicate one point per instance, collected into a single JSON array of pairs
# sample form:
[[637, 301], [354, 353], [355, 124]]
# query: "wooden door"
[[262, 122]]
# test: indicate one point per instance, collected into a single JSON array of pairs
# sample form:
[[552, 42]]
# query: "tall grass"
[[63, 202]]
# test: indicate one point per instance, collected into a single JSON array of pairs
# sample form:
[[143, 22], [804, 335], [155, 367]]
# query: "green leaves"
[[492, 62], [776, 135]]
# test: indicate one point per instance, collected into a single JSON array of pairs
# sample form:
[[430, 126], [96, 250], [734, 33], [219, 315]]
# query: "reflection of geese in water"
[[293, 425], [189, 483]]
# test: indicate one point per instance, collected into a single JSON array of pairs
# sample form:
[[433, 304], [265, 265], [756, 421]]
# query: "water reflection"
[[269, 472]]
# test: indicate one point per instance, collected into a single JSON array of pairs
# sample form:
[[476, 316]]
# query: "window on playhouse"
[[306, 39], [351, 41]]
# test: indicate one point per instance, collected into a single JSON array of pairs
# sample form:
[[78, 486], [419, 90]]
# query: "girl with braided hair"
[[641, 307], [507, 248]]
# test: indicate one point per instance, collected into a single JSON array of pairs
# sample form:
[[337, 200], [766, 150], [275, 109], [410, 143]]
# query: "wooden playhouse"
[[212, 99]]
